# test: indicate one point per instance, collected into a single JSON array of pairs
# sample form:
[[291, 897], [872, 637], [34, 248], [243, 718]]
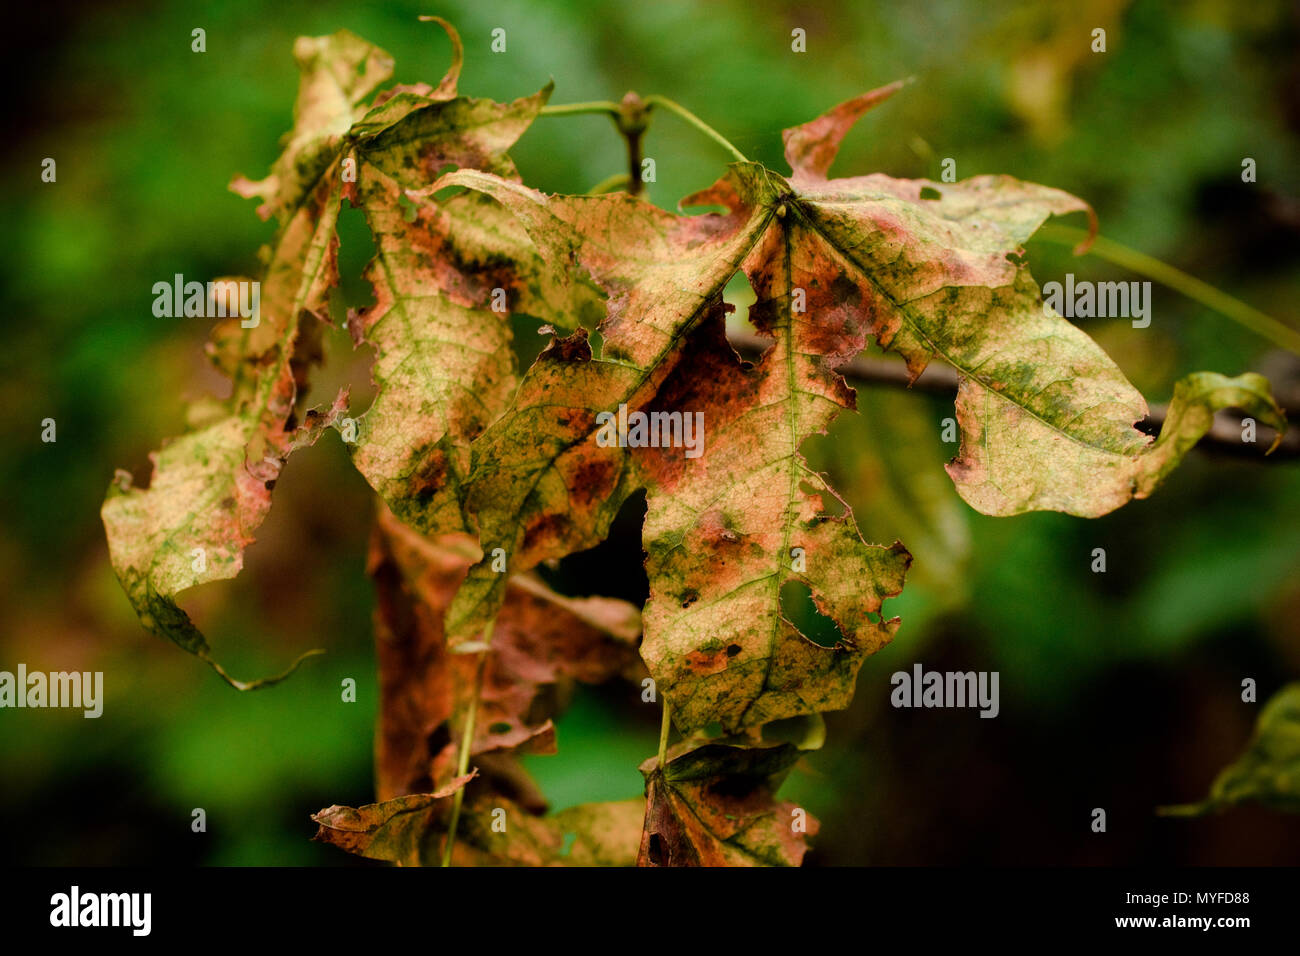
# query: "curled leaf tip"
[[449, 81], [1086, 242]]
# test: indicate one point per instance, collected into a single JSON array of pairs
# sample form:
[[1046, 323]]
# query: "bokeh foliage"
[[1119, 690]]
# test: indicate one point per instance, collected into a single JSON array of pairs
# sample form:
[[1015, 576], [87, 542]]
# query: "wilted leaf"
[[541, 485], [443, 367], [715, 805], [935, 271], [492, 831], [210, 490], [540, 639], [1268, 773], [725, 535], [399, 830], [443, 362]]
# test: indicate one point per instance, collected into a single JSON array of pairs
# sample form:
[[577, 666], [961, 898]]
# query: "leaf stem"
[[656, 100], [594, 106], [466, 742], [609, 184], [1195, 289], [663, 734]]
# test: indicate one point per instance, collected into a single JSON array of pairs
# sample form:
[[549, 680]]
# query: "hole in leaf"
[[655, 850], [500, 727], [524, 340], [733, 650], [799, 608], [615, 567], [929, 192]]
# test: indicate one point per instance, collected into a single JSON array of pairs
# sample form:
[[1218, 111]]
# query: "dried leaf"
[[928, 269], [397, 830], [541, 486], [210, 490], [540, 639], [715, 805], [934, 270], [1036, 472], [492, 831]]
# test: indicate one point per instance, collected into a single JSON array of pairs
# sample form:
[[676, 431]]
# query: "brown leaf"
[[492, 831], [541, 640], [715, 805]]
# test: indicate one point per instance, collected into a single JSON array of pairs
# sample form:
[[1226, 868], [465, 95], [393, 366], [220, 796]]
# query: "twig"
[[466, 742], [632, 120], [595, 106], [1223, 437], [664, 727]]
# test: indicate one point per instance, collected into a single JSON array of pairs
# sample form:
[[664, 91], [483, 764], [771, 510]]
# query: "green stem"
[[663, 734], [595, 106], [703, 127], [610, 184], [1207, 295], [466, 742]]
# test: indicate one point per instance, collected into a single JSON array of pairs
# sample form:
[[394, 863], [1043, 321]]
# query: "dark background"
[[1119, 690]]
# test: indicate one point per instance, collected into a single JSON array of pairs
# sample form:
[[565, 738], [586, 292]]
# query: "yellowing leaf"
[[541, 485], [210, 490], [439, 386], [1011, 461]]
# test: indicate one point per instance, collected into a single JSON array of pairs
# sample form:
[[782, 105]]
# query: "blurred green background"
[[1119, 690]]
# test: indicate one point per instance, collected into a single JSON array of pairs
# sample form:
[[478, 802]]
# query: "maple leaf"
[[1268, 773], [541, 486], [210, 490], [928, 270], [443, 367], [540, 639], [935, 270], [714, 804], [722, 533]]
